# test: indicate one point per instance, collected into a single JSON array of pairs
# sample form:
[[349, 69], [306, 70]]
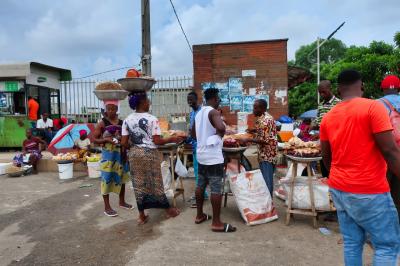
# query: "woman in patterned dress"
[[140, 134], [114, 172]]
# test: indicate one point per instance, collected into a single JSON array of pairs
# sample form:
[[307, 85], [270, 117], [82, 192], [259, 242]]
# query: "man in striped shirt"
[[328, 101]]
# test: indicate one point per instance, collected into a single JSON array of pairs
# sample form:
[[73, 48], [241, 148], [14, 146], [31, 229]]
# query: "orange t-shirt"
[[357, 163], [33, 108]]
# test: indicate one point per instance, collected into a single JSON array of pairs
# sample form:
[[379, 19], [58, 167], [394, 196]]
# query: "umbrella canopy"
[[309, 114], [65, 137]]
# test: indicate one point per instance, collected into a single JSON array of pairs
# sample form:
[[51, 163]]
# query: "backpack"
[[395, 120]]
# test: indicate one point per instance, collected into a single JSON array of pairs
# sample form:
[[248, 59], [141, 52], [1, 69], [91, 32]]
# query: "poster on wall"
[[264, 97], [223, 93], [248, 102], [236, 103], [235, 86], [207, 85]]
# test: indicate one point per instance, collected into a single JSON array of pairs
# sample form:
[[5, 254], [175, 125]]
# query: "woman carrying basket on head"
[[140, 134], [114, 172]]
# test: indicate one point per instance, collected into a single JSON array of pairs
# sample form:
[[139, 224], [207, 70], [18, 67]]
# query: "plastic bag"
[[167, 178], [253, 198], [180, 169], [301, 194]]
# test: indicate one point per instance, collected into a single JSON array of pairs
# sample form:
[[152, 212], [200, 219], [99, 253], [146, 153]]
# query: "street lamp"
[[318, 54]]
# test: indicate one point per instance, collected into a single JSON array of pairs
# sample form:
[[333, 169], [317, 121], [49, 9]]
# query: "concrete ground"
[[44, 221]]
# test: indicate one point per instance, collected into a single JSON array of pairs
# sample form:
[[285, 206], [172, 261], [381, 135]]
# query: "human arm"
[[390, 151], [97, 135], [326, 154], [216, 121]]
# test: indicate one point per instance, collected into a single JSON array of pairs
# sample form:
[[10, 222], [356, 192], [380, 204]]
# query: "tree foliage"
[[330, 52], [373, 61]]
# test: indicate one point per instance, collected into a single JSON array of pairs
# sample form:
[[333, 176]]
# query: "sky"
[[91, 36]]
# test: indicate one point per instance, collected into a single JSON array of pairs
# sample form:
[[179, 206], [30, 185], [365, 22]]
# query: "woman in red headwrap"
[[82, 145], [114, 171]]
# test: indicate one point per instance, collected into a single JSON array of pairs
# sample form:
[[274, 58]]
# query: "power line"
[[180, 24], [108, 71]]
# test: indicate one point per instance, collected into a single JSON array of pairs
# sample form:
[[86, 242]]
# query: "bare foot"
[[172, 212], [142, 219]]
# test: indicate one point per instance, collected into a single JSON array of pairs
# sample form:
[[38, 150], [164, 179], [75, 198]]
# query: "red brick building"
[[262, 66]]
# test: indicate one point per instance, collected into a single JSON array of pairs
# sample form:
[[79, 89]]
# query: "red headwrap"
[[82, 132]]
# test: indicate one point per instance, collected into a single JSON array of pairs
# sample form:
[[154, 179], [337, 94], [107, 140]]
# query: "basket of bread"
[[63, 158], [110, 91], [298, 148], [234, 141]]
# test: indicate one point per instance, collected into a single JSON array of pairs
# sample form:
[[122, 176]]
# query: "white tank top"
[[209, 144]]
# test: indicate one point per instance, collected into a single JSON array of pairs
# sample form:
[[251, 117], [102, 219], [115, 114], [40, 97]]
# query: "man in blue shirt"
[[391, 87], [192, 100]]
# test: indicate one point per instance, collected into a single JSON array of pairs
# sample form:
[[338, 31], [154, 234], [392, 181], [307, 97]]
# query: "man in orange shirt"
[[357, 146], [33, 109]]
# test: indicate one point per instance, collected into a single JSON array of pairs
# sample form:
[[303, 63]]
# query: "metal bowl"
[[16, 174], [136, 84], [111, 94]]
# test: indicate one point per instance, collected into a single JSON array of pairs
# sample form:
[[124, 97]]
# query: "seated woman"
[[82, 145], [31, 151]]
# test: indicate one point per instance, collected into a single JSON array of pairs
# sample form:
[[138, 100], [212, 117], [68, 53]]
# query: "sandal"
[[228, 228], [127, 206], [205, 218], [111, 213]]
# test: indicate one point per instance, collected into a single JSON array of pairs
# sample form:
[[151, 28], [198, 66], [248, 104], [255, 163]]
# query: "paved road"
[[47, 222]]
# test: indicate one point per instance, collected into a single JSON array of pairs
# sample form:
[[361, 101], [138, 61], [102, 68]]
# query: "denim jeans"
[[267, 170], [368, 214]]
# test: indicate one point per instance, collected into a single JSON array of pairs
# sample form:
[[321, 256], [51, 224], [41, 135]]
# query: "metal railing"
[[168, 97]]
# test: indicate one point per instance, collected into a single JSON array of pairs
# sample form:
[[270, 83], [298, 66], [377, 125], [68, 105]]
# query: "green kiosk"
[[17, 83]]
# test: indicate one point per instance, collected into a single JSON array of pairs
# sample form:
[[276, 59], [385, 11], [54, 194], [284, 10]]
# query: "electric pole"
[[146, 43]]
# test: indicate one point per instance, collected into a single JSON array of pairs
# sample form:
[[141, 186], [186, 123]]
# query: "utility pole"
[[146, 43], [319, 44]]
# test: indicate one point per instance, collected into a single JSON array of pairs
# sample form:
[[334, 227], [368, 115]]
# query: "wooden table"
[[172, 151], [290, 211], [232, 153]]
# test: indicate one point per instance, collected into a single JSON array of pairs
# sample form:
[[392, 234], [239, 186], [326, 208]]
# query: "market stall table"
[[171, 150], [232, 153], [290, 210]]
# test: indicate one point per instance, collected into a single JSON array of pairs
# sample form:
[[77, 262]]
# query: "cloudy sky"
[[91, 36]]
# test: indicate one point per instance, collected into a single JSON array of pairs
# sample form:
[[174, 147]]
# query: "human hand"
[[251, 130]]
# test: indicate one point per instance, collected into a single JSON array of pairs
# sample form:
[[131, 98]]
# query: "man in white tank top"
[[209, 129]]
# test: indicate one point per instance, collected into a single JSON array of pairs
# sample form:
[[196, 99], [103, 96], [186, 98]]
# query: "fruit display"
[[69, 156], [133, 73], [93, 158]]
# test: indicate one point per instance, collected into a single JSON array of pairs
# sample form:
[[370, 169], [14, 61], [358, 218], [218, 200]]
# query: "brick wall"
[[219, 62]]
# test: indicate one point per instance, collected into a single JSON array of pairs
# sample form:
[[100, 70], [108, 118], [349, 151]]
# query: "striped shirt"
[[325, 107]]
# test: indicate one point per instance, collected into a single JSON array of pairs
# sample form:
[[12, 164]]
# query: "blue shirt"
[[394, 100], [192, 117]]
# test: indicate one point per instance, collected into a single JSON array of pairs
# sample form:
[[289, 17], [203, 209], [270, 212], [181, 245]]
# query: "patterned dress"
[[145, 161], [114, 172]]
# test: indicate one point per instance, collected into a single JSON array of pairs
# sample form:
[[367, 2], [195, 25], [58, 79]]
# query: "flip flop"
[[142, 222], [131, 207], [206, 217], [228, 228], [111, 214]]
